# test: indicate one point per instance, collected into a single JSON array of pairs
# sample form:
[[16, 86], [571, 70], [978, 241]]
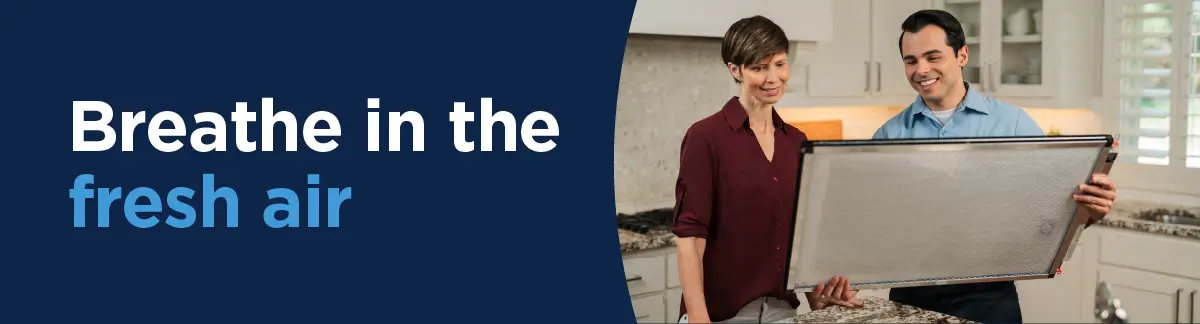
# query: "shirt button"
[[775, 178], [776, 223], [776, 248]]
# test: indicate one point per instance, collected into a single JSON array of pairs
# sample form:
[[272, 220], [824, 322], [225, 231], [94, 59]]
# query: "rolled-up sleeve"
[[694, 188]]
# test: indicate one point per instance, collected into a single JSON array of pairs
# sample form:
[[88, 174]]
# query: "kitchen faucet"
[[1108, 308]]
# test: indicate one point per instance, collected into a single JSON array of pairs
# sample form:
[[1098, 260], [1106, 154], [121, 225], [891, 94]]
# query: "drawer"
[[645, 274], [672, 270], [1155, 252], [650, 309], [674, 298]]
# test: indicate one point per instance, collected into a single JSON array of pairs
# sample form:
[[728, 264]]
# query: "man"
[[934, 52]]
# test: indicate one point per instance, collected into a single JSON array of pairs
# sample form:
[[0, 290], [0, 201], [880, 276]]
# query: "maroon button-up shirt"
[[742, 204]]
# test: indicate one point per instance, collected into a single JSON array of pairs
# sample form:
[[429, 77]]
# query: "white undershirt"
[[943, 116]]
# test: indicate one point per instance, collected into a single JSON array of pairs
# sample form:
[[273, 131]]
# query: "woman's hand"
[[836, 292]]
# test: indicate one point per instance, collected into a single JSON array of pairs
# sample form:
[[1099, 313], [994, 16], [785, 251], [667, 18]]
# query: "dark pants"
[[989, 302]]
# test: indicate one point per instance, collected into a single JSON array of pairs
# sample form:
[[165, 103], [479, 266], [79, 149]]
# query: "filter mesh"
[[887, 217]]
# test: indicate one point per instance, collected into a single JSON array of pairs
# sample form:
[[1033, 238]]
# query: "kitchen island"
[[646, 252], [875, 310]]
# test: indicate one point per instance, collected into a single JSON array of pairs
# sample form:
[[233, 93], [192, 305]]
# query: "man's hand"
[[1097, 195], [836, 292]]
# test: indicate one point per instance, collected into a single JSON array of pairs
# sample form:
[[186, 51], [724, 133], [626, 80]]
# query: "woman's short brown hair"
[[752, 40]]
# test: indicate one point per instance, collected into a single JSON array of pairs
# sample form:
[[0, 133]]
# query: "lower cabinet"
[[674, 298], [1156, 277], [652, 278], [1152, 297], [1061, 299]]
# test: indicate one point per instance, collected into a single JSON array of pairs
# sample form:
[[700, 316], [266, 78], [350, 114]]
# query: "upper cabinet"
[[1008, 43], [802, 20], [1016, 56], [1012, 54], [861, 65]]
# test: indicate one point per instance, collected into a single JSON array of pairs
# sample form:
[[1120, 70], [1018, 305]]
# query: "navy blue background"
[[433, 235]]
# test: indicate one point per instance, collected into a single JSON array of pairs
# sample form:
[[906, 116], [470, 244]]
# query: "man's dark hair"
[[940, 18], [751, 40]]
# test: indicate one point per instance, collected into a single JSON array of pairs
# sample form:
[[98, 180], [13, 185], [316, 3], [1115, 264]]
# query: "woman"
[[735, 193]]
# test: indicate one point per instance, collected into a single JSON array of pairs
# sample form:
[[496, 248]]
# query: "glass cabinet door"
[[969, 14], [1021, 43]]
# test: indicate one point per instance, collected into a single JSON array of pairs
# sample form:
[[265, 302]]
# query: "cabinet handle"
[[1178, 298], [868, 88], [878, 77], [807, 79], [992, 74], [1192, 308], [983, 75], [636, 278]]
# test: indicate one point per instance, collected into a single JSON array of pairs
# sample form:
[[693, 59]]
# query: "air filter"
[[903, 213]]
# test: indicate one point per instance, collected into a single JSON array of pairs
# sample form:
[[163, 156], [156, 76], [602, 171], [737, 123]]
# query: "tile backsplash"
[[668, 83]]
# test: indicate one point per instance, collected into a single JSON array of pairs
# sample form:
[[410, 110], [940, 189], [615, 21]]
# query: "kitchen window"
[[1156, 83]]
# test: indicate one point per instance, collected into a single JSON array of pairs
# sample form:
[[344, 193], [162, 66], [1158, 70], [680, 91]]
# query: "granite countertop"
[[633, 241], [645, 230], [875, 310], [1125, 215]]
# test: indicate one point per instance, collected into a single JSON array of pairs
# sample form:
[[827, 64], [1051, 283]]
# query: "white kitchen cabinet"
[[1057, 300], [1017, 58], [1044, 65], [1156, 276], [886, 18], [862, 64], [674, 299], [649, 308], [1150, 297], [802, 20], [841, 68], [653, 282], [1009, 47]]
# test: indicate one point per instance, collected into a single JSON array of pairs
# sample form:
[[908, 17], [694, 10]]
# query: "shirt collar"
[[735, 114], [972, 101]]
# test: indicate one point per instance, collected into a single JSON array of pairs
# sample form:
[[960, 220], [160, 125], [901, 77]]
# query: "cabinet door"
[[970, 14], [1149, 297], [842, 67], [650, 308], [1022, 47], [1056, 300], [888, 78], [674, 299]]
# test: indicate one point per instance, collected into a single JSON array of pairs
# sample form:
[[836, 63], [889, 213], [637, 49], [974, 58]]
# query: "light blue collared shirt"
[[976, 116]]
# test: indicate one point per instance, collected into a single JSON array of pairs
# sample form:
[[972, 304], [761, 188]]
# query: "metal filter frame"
[[1103, 161]]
